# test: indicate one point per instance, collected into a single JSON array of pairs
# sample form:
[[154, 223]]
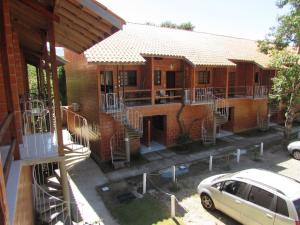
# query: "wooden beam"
[[42, 10], [5, 125], [88, 18], [193, 84], [82, 30], [68, 33], [69, 44], [152, 81], [9, 158], [73, 17]]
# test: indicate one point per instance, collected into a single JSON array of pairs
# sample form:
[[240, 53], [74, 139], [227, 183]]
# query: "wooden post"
[[227, 83], [63, 171], [49, 93], [193, 84], [152, 81], [4, 219]]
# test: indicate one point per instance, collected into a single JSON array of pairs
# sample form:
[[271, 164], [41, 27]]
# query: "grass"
[[145, 211]]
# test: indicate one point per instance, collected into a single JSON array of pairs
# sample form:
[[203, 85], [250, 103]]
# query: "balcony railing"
[[167, 95], [136, 97], [261, 92], [111, 102]]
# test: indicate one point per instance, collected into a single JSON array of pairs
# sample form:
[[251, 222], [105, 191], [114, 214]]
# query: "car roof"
[[277, 182]]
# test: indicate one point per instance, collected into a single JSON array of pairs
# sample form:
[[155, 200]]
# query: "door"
[[106, 82], [233, 193], [282, 213], [170, 82], [258, 209]]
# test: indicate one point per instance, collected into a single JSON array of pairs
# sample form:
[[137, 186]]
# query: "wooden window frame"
[[157, 77], [125, 80], [204, 77]]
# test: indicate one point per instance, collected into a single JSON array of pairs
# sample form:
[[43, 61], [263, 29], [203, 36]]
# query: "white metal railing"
[[49, 205], [134, 119], [38, 140], [78, 130], [221, 106], [199, 95], [260, 92], [111, 102]]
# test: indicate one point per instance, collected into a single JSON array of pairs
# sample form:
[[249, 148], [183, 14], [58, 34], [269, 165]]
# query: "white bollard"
[[144, 183], [261, 148], [210, 162], [174, 173], [172, 206], [238, 155]]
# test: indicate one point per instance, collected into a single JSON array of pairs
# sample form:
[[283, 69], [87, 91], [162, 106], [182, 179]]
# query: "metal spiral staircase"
[[41, 147], [130, 127], [217, 116]]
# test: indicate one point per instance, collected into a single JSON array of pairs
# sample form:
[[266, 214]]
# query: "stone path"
[[83, 179]]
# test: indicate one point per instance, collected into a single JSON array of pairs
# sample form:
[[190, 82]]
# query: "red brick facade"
[[84, 87]]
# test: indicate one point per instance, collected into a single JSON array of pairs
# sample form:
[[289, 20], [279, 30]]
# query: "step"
[[51, 207], [57, 215], [47, 201], [54, 185]]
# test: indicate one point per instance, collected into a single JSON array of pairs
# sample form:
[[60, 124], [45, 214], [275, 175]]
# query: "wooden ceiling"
[[79, 24]]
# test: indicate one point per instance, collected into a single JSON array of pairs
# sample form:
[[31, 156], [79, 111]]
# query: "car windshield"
[[297, 206]]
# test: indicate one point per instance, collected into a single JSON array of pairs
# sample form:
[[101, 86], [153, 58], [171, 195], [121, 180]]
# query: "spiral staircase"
[[217, 115], [130, 127], [49, 193]]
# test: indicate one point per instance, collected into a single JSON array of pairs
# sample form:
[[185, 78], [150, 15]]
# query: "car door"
[[282, 213], [257, 209], [232, 192]]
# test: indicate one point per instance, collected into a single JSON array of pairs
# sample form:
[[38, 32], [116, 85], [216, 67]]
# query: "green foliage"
[[33, 87], [62, 85], [182, 26], [287, 32], [285, 60]]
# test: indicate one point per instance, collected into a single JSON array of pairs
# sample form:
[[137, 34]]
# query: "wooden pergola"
[[37, 27]]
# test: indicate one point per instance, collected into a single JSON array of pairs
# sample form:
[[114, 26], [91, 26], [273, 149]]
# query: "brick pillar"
[[9, 73]]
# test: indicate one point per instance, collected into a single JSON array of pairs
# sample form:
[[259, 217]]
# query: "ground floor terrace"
[[162, 125]]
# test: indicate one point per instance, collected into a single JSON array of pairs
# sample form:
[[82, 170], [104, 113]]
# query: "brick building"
[[153, 86]]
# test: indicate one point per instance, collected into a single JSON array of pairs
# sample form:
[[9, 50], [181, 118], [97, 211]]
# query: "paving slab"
[[152, 156]]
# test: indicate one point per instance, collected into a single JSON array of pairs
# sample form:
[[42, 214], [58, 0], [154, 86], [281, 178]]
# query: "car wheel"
[[207, 202], [296, 154]]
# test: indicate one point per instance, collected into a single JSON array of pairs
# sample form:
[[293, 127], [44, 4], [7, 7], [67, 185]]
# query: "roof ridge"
[[195, 31]]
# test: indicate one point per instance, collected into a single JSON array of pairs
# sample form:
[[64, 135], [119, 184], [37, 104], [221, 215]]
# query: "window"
[[203, 77], [297, 206], [235, 188], [128, 78], [281, 207], [106, 77], [218, 185], [157, 77], [260, 197]]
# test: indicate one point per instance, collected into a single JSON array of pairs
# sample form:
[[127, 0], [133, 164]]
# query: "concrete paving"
[[83, 179], [235, 143]]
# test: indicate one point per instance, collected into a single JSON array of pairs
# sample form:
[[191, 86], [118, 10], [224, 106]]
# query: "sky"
[[239, 18]]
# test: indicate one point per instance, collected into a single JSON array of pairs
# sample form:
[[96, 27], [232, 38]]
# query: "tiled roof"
[[128, 46]]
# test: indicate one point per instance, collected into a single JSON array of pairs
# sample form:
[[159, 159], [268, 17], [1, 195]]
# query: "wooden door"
[[231, 84]]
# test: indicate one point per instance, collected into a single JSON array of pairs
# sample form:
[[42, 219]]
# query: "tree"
[[182, 26], [278, 44], [186, 26], [62, 85]]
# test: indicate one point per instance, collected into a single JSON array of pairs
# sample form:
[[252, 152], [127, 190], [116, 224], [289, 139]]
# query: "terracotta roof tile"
[[128, 46]]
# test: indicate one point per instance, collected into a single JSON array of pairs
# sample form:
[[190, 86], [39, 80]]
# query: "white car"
[[294, 149], [253, 197]]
